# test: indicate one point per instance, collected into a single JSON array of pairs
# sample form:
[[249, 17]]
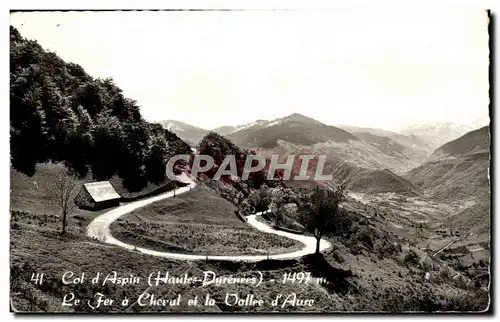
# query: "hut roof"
[[101, 191]]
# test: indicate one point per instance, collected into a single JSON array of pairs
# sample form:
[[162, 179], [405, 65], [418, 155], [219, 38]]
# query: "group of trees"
[[219, 147], [318, 207], [59, 113]]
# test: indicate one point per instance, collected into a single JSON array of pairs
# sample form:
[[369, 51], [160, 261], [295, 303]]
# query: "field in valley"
[[450, 229]]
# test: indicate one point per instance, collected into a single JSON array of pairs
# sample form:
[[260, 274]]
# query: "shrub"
[[428, 265], [364, 235], [482, 263], [412, 258], [444, 274]]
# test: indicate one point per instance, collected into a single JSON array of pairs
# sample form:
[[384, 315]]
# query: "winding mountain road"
[[99, 229]]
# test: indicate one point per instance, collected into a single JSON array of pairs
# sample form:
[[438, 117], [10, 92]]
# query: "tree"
[[27, 120], [264, 196], [61, 120], [320, 210], [156, 159], [277, 203], [108, 142], [90, 96], [80, 144], [419, 233], [261, 198], [64, 189], [245, 208], [134, 150]]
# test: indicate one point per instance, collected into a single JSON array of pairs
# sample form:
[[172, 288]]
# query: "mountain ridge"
[[187, 132], [294, 128], [457, 169], [476, 140]]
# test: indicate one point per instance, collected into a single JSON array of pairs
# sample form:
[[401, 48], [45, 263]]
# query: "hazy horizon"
[[380, 69], [475, 125]]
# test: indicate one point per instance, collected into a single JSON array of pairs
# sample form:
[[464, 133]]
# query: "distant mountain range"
[[408, 140], [295, 128], [229, 129], [300, 129], [437, 134], [297, 132], [411, 147], [372, 160], [364, 147], [189, 133]]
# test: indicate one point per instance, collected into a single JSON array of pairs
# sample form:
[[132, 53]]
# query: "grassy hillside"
[[355, 177], [458, 170], [461, 178], [364, 271], [474, 141], [36, 246], [200, 207], [31, 195], [199, 222], [385, 144], [459, 173], [380, 181], [474, 219]]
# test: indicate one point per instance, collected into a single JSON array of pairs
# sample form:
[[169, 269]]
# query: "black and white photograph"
[[250, 161]]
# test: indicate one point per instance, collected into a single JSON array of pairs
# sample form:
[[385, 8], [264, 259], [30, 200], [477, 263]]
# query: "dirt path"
[[443, 248], [99, 229]]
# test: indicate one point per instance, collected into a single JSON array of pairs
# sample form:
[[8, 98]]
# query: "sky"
[[376, 68]]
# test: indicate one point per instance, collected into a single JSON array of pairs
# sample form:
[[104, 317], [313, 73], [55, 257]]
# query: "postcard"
[[260, 161]]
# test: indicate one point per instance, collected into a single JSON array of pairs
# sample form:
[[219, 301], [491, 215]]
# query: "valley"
[[405, 184], [449, 235]]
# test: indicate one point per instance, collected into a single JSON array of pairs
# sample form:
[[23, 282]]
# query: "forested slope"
[[59, 113]]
